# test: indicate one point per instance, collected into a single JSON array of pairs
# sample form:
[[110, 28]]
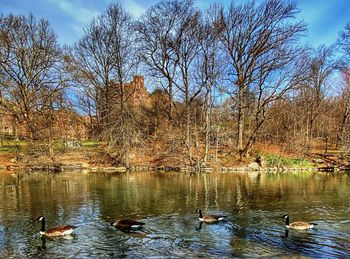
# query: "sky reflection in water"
[[166, 202]]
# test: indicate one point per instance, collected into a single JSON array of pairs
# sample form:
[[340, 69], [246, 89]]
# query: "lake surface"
[[166, 202]]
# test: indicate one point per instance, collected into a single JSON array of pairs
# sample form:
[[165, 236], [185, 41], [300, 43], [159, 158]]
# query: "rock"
[[207, 169], [184, 169], [254, 166], [13, 167], [165, 168], [326, 169], [110, 170], [84, 165], [19, 159], [120, 169], [318, 161], [161, 168], [67, 168], [13, 160], [72, 144], [94, 169]]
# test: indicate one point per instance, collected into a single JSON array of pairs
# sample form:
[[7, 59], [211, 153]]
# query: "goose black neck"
[[287, 221], [200, 213], [42, 225]]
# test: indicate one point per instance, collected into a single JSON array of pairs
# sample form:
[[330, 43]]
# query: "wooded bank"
[[219, 86]]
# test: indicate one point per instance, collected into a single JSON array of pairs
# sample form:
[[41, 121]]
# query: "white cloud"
[[132, 6], [77, 12], [135, 9]]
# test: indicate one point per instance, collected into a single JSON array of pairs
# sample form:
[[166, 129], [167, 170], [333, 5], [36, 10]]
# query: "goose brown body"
[[209, 218], [58, 231], [298, 225], [55, 231], [128, 224]]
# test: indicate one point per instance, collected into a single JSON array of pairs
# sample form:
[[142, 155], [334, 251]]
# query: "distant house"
[[7, 124], [140, 97], [70, 125], [67, 125], [135, 92]]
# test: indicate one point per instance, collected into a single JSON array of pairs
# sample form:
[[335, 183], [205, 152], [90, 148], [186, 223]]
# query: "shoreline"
[[80, 167]]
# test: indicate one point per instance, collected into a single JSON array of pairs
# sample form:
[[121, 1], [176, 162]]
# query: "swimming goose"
[[128, 224], [209, 218], [299, 225], [55, 231]]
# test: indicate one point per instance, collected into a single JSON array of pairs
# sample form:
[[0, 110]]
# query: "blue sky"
[[325, 18]]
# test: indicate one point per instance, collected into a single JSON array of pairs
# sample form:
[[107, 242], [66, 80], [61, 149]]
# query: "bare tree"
[[344, 40], [209, 67], [260, 44], [32, 72], [313, 90], [186, 50], [344, 110], [104, 61], [93, 67], [158, 31], [170, 33]]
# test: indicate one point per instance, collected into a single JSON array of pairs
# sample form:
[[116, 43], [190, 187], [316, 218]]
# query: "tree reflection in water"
[[166, 202]]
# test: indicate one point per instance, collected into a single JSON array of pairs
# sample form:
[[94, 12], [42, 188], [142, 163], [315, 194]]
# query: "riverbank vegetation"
[[224, 85]]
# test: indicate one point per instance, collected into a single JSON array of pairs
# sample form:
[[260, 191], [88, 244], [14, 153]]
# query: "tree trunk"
[[170, 99], [207, 125], [217, 143], [341, 130], [1, 128], [188, 131], [259, 121], [240, 120]]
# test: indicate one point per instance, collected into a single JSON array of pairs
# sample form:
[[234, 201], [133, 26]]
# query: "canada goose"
[[55, 231], [128, 224], [299, 225], [209, 218]]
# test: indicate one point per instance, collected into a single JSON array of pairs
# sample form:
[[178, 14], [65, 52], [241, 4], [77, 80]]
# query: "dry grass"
[[160, 155], [273, 149], [5, 158]]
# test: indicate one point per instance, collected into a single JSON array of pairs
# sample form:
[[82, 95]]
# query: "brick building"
[[67, 125], [70, 125], [7, 124], [140, 96]]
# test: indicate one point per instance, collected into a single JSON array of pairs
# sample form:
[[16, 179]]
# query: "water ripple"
[[253, 204]]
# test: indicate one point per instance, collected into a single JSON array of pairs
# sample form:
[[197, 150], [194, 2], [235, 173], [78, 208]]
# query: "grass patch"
[[9, 148], [15, 145], [5, 148], [89, 143], [273, 160]]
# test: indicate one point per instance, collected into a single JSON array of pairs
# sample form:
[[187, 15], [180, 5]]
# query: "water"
[[166, 202]]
